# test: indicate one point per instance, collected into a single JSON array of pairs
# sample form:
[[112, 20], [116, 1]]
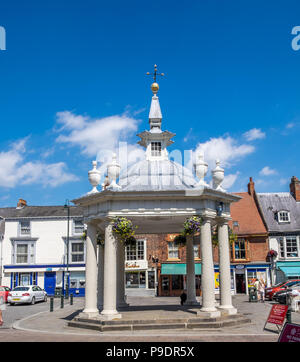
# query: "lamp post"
[[67, 206], [155, 260]]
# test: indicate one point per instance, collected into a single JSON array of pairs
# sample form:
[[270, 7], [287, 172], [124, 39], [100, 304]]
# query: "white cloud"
[[267, 171], [94, 136], [14, 170], [254, 134], [226, 149], [229, 180]]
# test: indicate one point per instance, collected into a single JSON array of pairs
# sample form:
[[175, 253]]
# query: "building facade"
[[35, 248], [281, 212]]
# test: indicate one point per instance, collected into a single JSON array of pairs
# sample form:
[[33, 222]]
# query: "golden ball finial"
[[154, 87]]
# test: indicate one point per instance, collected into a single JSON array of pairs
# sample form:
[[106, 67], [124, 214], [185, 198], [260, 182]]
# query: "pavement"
[[52, 326]]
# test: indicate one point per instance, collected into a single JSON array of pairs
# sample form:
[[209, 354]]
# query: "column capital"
[[221, 220]]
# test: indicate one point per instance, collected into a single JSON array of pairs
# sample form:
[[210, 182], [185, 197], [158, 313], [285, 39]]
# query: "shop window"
[[177, 282], [165, 283], [136, 279], [173, 251]]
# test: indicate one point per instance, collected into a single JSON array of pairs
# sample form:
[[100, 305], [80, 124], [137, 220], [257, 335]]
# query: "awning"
[[178, 269], [290, 271]]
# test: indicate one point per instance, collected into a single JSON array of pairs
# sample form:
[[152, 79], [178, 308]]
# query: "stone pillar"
[[224, 265], [207, 272], [110, 276], [121, 298], [100, 276], [190, 272], [90, 309]]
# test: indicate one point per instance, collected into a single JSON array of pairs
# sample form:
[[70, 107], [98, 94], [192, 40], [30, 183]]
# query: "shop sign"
[[290, 333], [141, 264], [277, 314], [240, 266]]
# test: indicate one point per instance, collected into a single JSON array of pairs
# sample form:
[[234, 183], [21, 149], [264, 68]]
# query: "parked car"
[[269, 292], [4, 294], [28, 294], [280, 296]]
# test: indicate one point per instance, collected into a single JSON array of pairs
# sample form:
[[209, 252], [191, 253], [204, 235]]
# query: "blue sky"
[[73, 84]]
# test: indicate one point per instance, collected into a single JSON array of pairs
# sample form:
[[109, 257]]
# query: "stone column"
[[121, 298], [90, 309], [207, 272], [224, 265], [100, 276], [110, 276], [190, 272]]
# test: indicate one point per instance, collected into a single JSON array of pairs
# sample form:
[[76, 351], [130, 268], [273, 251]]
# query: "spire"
[[155, 115]]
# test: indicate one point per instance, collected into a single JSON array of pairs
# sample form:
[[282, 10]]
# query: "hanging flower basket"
[[180, 240], [192, 225], [123, 229]]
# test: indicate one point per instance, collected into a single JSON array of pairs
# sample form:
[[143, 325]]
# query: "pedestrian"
[[256, 285], [2, 307], [183, 297], [261, 290]]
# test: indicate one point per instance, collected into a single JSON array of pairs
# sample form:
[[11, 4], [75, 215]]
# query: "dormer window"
[[283, 216], [155, 149]]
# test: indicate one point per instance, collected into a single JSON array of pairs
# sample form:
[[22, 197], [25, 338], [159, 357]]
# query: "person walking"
[[256, 285], [261, 290], [183, 297]]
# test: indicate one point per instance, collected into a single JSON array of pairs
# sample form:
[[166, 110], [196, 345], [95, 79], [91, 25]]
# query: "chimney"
[[295, 188], [251, 187], [21, 204]]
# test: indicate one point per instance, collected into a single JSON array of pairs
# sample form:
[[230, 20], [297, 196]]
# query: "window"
[[136, 279], [136, 251], [289, 246], [238, 249], [283, 216], [173, 252], [22, 254], [78, 226], [155, 149], [77, 252], [24, 227]]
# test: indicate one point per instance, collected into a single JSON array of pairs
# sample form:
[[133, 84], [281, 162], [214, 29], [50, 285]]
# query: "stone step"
[[130, 325]]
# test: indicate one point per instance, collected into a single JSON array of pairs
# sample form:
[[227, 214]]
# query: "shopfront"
[[291, 269]]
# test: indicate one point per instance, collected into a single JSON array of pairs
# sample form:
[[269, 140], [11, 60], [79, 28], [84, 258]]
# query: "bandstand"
[[157, 195]]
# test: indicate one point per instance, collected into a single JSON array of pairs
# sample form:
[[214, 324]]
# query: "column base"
[[89, 313], [110, 314], [209, 313], [228, 309], [191, 302]]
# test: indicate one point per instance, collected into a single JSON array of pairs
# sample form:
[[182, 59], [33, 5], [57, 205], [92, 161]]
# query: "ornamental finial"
[[155, 86]]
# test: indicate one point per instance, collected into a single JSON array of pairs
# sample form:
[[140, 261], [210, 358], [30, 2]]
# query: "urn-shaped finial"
[[218, 176], [113, 172], [201, 169], [94, 177]]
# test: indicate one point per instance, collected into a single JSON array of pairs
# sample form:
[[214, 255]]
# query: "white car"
[[28, 294]]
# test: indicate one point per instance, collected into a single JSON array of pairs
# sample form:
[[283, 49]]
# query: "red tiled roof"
[[246, 213]]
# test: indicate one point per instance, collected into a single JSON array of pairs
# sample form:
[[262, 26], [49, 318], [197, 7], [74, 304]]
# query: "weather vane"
[[154, 85], [155, 74]]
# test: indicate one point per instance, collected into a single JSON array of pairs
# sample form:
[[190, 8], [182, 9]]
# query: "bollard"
[[51, 304], [62, 301], [71, 299]]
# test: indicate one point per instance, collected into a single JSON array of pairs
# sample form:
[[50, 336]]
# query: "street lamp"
[[67, 206]]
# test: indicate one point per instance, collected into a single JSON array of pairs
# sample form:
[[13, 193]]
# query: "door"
[[50, 282]]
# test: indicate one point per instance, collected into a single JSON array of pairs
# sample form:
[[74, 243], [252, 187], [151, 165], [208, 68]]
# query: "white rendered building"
[[34, 247]]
